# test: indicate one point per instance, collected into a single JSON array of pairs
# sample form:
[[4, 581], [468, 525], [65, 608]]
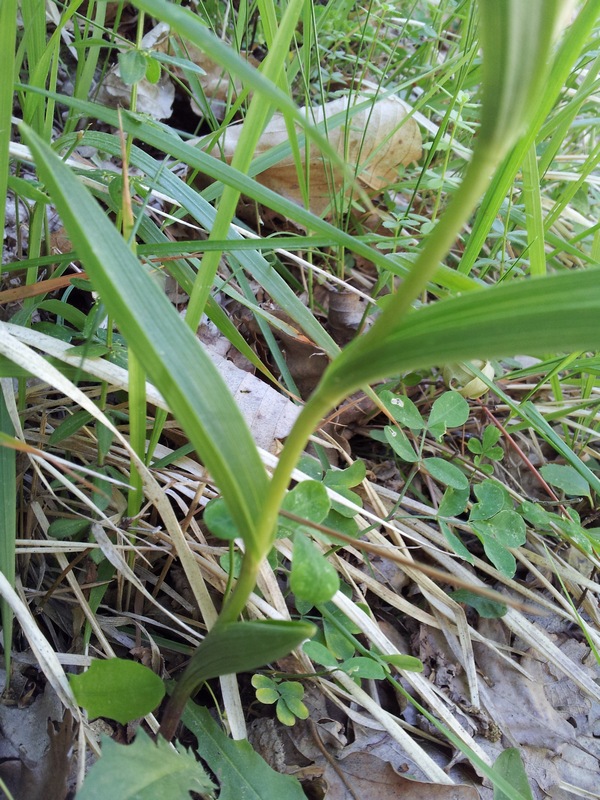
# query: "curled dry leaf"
[[373, 142]]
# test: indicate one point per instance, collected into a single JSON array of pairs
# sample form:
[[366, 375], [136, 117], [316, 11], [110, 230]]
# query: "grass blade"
[[168, 350], [8, 520]]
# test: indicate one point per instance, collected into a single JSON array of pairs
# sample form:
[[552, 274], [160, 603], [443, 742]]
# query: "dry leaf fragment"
[[374, 142]]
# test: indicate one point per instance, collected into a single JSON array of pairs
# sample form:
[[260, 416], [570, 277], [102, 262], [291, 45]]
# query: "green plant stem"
[[243, 588], [480, 171]]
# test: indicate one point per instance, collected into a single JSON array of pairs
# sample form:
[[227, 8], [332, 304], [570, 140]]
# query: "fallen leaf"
[[374, 143], [362, 775]]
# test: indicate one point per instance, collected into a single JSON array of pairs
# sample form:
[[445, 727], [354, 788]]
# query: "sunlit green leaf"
[[118, 689]]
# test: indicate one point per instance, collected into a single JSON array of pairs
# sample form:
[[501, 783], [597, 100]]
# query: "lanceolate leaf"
[[517, 40], [240, 771], [558, 313], [229, 648], [168, 350]]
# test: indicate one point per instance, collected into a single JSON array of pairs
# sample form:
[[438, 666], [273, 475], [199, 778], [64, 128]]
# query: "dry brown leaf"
[[361, 775], [374, 143]]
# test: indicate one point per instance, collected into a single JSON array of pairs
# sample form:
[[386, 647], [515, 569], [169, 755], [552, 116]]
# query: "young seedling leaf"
[[144, 769], [239, 770], [509, 766], [118, 689], [312, 578], [132, 66]]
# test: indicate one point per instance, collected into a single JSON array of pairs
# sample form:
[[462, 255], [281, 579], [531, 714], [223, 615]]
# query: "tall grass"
[[536, 310]]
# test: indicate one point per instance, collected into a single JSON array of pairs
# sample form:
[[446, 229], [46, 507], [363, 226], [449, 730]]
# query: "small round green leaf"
[[118, 689], [450, 410], [219, 521], [132, 66], [153, 70], [313, 577]]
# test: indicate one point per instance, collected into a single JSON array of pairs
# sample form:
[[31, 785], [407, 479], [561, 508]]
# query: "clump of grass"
[[480, 281]]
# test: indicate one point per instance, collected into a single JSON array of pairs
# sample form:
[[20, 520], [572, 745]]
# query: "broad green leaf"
[[400, 444], [153, 70], [343, 523], [164, 345], [320, 654], [67, 528], [556, 313], [175, 61], [219, 520], [132, 66], [485, 607], [566, 479], [400, 661], [312, 578], [509, 766], [144, 770], [491, 436], [501, 558], [308, 500], [505, 529], [454, 502], [492, 499], [239, 770], [362, 667], [241, 646], [446, 473], [537, 516], [506, 526], [403, 410], [118, 689], [349, 477], [450, 410]]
